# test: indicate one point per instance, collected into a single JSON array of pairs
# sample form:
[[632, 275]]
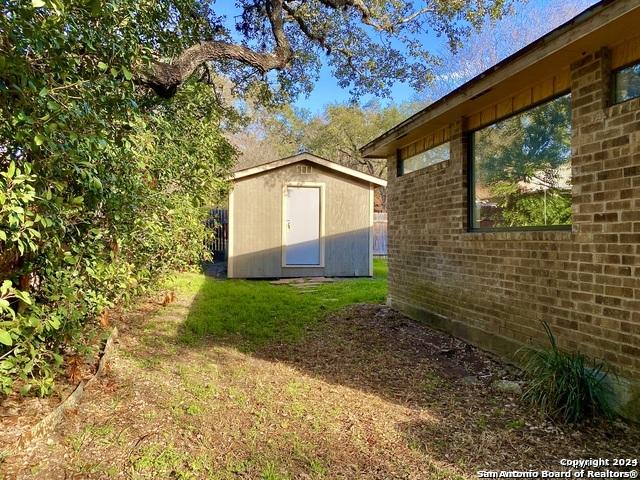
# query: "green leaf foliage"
[[5, 338], [103, 186]]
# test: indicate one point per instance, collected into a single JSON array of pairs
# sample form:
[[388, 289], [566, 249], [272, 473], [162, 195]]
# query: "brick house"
[[516, 198]]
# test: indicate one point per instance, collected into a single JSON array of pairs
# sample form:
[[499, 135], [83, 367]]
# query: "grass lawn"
[[255, 312], [248, 380]]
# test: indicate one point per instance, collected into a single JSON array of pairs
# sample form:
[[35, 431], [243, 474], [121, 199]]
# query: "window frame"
[[471, 184], [614, 83], [400, 162]]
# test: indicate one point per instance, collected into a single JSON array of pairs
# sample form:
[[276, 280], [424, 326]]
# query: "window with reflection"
[[424, 159], [521, 170], [626, 82]]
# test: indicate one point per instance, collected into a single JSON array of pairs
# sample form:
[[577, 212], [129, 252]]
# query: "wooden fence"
[[380, 234], [218, 221]]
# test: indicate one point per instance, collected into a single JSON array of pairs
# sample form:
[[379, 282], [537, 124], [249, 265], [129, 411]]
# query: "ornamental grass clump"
[[565, 386]]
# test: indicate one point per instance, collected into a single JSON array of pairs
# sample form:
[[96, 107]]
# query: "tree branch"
[[368, 18], [165, 77], [359, 5], [321, 39]]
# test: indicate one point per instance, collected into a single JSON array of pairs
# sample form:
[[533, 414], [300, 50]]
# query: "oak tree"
[[368, 44]]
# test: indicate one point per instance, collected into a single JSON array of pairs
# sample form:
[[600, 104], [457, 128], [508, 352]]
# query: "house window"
[[626, 83], [424, 159], [521, 170]]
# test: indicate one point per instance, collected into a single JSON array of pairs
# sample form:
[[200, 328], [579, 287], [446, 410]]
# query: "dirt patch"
[[367, 393]]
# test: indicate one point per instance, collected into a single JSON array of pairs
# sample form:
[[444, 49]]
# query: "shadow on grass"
[[341, 333]]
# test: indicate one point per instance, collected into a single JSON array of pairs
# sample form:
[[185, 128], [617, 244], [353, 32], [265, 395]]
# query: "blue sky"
[[326, 90]]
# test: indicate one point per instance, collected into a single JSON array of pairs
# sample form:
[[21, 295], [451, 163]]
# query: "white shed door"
[[302, 226]]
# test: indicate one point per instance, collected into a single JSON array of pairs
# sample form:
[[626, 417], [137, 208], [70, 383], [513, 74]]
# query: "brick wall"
[[494, 288]]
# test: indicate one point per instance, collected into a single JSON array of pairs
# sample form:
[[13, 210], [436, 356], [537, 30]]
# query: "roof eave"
[[282, 162], [484, 80]]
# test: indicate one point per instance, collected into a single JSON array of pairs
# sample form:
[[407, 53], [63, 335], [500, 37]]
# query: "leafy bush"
[[103, 187], [517, 207], [564, 385]]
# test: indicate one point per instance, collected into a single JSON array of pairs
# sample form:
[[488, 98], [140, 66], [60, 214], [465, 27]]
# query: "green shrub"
[[564, 385], [103, 186]]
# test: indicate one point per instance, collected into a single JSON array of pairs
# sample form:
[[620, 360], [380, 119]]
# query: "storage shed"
[[301, 216]]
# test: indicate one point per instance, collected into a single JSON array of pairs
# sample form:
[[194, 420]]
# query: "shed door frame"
[[321, 187]]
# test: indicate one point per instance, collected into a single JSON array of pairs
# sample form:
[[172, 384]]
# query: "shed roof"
[[306, 156], [607, 23]]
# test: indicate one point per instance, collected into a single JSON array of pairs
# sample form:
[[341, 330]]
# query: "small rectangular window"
[[521, 170], [304, 168], [424, 159], [626, 82]]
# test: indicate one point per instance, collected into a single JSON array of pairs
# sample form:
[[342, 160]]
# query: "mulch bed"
[[376, 349]]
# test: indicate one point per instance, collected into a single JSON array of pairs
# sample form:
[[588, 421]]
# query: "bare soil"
[[367, 393]]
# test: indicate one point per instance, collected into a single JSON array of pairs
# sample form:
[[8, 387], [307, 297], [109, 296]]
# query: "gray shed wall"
[[256, 224]]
